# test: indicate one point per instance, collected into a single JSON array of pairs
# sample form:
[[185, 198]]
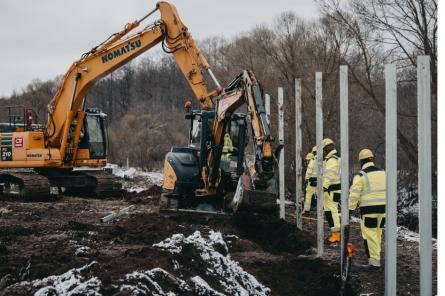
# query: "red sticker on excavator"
[[18, 142]]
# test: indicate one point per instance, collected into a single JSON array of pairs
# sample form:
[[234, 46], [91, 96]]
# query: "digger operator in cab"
[[311, 179], [368, 192], [331, 188]]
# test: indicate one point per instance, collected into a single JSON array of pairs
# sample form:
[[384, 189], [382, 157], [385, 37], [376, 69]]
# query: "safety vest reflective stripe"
[[332, 179], [372, 201], [368, 185], [335, 172], [352, 198], [355, 190]]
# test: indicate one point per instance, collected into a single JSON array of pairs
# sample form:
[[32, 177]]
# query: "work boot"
[[334, 238]]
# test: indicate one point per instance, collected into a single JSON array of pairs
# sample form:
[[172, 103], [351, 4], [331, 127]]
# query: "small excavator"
[[38, 161], [213, 174]]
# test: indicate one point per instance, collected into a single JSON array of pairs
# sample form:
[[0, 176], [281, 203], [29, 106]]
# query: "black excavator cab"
[[183, 165], [94, 135]]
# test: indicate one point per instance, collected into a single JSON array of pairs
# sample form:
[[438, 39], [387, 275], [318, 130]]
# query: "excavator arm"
[[68, 103], [244, 89]]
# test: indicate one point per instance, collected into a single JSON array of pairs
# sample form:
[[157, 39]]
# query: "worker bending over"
[[331, 188], [368, 191], [311, 179]]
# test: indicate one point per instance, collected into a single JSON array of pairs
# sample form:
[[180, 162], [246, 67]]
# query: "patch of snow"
[[4, 211], [411, 236], [136, 189], [213, 252], [82, 251], [131, 173], [148, 283], [172, 244], [203, 288], [71, 282]]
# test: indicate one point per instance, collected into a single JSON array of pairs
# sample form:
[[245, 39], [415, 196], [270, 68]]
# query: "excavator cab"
[[94, 135]]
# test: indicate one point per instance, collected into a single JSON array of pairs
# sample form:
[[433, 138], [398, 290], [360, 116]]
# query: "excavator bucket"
[[255, 199]]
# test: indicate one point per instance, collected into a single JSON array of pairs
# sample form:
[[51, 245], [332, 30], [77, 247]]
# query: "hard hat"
[[309, 156], [314, 149], [327, 142], [365, 153]]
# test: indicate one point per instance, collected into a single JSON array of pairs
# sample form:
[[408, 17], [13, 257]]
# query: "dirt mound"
[[68, 244], [274, 234]]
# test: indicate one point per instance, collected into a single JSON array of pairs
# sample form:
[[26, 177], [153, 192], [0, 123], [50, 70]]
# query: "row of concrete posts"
[[424, 165]]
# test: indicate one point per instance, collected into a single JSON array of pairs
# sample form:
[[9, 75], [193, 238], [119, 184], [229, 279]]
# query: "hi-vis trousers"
[[371, 226], [311, 191], [331, 200]]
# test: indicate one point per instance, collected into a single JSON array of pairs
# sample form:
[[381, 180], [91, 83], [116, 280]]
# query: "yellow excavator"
[[37, 161], [40, 160]]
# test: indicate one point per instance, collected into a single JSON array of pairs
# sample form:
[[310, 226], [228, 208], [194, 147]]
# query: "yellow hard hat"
[[365, 153], [314, 149], [309, 156], [327, 142]]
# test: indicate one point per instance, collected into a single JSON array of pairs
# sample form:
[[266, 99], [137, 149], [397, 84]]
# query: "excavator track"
[[84, 183], [107, 185], [26, 185], [30, 185]]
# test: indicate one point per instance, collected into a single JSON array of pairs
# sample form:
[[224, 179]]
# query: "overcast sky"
[[40, 39]]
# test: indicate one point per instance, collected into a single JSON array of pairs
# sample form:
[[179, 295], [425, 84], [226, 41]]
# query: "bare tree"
[[408, 27]]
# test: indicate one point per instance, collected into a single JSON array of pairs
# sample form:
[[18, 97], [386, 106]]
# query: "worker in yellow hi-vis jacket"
[[311, 179], [368, 191], [331, 188]]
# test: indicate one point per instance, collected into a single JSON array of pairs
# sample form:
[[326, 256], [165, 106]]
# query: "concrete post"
[[344, 148], [281, 161], [425, 194], [319, 138], [391, 181], [298, 164]]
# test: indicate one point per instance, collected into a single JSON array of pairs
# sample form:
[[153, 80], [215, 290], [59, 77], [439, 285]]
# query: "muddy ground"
[[38, 240]]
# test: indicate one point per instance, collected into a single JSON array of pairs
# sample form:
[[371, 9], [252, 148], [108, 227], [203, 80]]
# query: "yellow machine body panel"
[[26, 150], [169, 177]]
